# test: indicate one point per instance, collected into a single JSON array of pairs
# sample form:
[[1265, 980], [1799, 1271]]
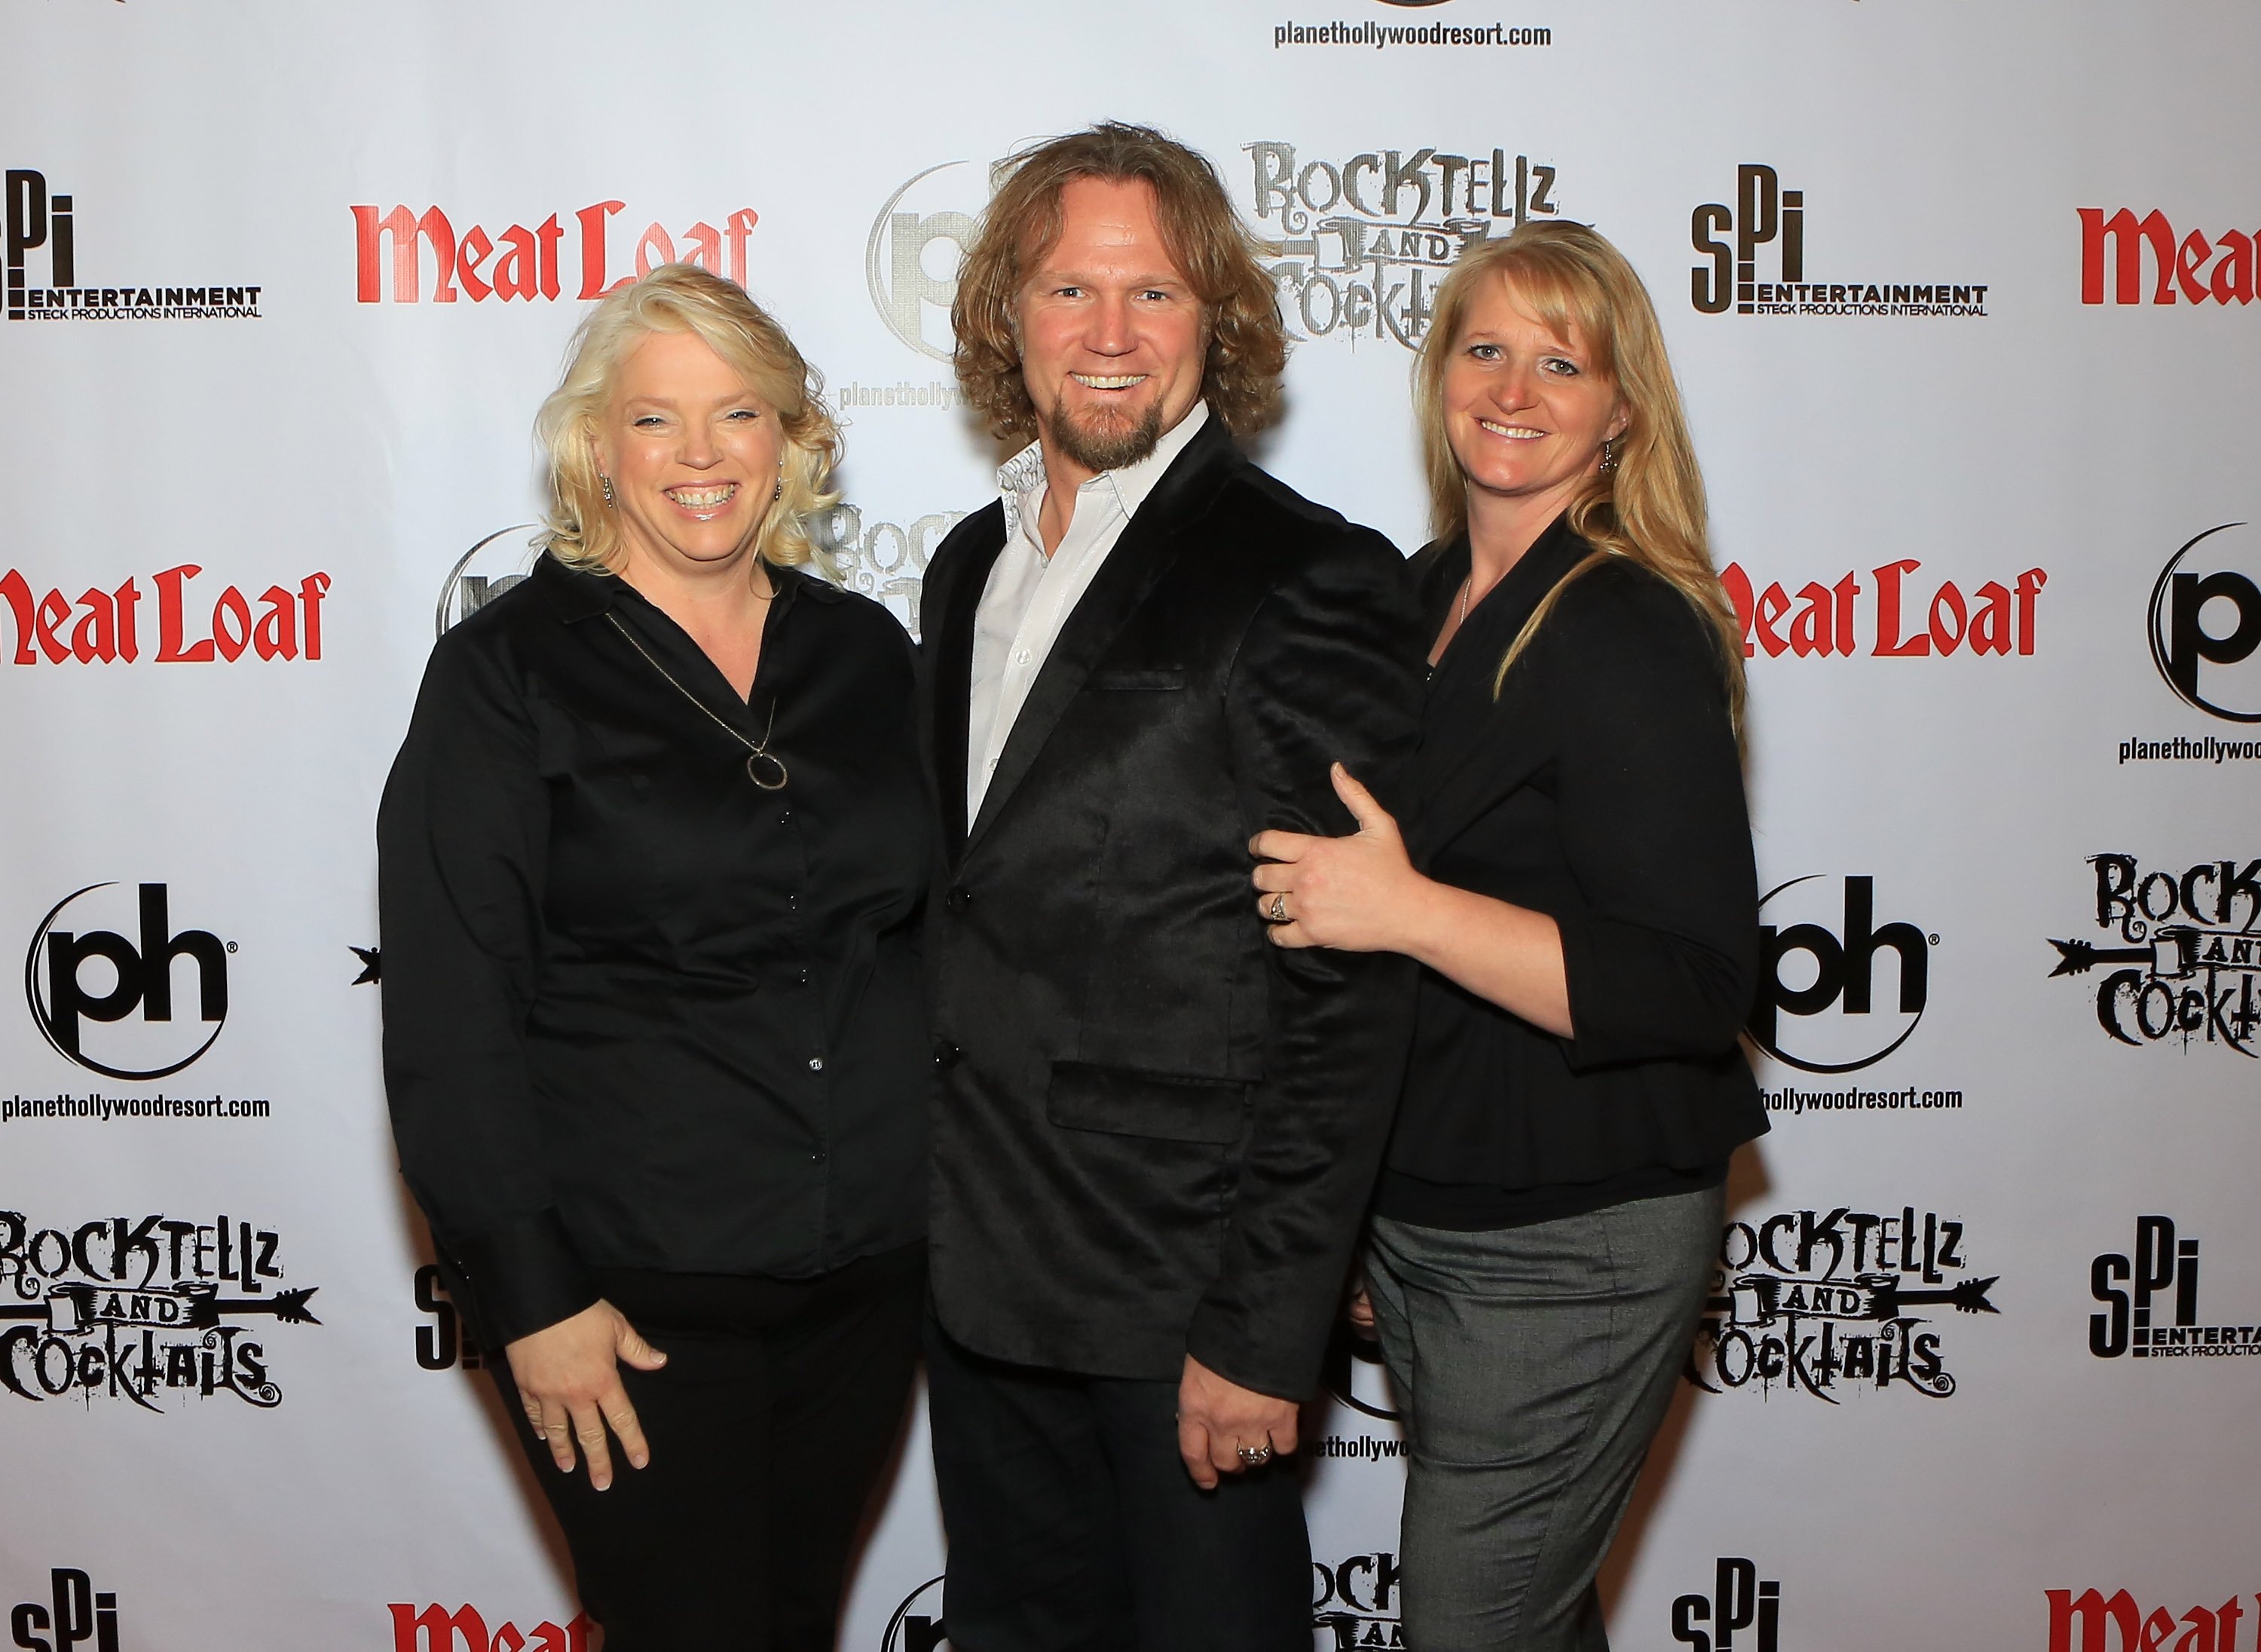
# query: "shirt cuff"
[[523, 1277]]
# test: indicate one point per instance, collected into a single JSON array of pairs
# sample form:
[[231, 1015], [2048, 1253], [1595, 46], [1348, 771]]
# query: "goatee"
[[1102, 447]]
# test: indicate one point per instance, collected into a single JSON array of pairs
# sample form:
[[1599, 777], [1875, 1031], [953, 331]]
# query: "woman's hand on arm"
[[569, 1381], [1360, 893]]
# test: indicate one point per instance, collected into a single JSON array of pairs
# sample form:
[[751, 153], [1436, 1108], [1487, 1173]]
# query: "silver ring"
[[1279, 907], [1255, 1456]]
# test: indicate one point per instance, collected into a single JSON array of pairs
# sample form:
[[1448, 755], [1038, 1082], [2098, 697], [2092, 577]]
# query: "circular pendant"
[[765, 770]]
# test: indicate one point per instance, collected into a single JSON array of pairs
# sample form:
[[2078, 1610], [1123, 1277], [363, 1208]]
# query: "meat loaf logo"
[[1359, 245], [105, 627], [154, 1046], [436, 1629], [1766, 215], [1822, 621], [1354, 1602], [1838, 1026], [1740, 1599], [885, 561], [912, 255], [445, 1342], [2215, 579], [2078, 1623], [73, 1614], [917, 1625], [42, 222], [527, 261], [1818, 1302], [2190, 950], [2161, 1269], [141, 1308], [2179, 265], [484, 572]]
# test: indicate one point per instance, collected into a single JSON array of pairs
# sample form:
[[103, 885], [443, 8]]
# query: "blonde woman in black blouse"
[[1576, 877]]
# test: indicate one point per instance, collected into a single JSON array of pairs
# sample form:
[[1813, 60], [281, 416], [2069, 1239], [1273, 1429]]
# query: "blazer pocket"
[[1150, 681], [1117, 1100]]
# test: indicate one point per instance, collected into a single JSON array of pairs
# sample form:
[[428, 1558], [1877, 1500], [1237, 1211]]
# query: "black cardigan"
[[1602, 787]]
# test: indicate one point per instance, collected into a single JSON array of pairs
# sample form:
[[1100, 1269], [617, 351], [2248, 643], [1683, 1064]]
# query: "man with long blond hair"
[[1155, 1133]]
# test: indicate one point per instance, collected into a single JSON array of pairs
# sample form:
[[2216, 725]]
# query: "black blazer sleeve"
[[1660, 948], [1325, 673], [462, 846]]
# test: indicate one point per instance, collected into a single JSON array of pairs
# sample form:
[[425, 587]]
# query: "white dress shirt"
[[1029, 595]]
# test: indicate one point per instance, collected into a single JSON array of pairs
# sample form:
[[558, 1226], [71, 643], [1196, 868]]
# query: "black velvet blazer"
[[1601, 787], [1155, 1131]]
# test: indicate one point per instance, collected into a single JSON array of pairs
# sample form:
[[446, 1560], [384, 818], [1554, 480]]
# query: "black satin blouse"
[[640, 1012]]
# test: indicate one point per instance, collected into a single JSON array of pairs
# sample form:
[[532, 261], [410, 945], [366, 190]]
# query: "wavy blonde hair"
[[1247, 344], [1650, 510], [577, 528]]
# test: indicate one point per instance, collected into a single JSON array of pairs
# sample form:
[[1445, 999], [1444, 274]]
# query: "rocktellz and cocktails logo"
[[1766, 215], [1359, 245], [141, 1308], [527, 261], [2189, 954], [41, 221], [1818, 1302], [1355, 1601]]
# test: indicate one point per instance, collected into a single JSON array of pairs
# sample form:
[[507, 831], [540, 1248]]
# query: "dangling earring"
[[1608, 454], [606, 483], [777, 492]]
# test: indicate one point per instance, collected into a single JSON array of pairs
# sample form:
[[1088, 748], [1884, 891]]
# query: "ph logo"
[[483, 573], [1764, 213], [1843, 962], [911, 259], [2206, 622], [37, 219], [76, 1613], [1738, 1600], [64, 986], [917, 1625]]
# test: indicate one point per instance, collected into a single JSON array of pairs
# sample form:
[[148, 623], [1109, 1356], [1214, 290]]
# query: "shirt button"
[[816, 1064], [1020, 658]]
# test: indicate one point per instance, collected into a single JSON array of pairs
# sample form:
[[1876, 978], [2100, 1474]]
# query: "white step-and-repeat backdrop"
[[1962, 293]]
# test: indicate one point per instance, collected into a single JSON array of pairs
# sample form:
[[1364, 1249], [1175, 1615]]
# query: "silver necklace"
[[758, 753]]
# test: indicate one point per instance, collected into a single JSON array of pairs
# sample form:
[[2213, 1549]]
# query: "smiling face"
[[1112, 335], [692, 453], [1525, 409]]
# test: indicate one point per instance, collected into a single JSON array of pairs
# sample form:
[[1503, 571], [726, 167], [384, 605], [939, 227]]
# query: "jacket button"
[[957, 900], [945, 1053]]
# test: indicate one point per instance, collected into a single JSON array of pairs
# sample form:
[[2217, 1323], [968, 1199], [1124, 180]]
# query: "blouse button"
[[816, 1064]]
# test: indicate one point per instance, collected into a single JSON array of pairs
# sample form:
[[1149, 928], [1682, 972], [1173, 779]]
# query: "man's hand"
[[569, 1383], [1215, 1418]]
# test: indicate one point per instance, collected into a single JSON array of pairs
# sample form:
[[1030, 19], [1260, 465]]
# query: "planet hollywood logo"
[[530, 263], [2205, 623], [1819, 1302], [916, 1625], [2149, 1295], [141, 1308], [1356, 1602], [1902, 622], [195, 627], [41, 221], [912, 255], [91, 1020], [433, 1628], [492, 566], [1764, 215], [1740, 1599], [1819, 948], [74, 1613], [1360, 245], [2179, 264], [2187, 953]]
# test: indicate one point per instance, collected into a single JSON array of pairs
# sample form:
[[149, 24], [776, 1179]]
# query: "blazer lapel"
[[948, 624], [1138, 558]]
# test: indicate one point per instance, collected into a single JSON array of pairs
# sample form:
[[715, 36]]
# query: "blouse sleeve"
[[461, 849], [1660, 947]]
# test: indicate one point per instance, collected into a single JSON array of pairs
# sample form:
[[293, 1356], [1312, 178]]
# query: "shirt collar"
[[1021, 479]]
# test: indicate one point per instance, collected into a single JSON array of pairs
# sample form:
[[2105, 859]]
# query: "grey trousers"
[[1535, 1365]]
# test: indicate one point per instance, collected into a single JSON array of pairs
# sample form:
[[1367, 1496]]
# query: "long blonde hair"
[[1650, 508], [577, 528]]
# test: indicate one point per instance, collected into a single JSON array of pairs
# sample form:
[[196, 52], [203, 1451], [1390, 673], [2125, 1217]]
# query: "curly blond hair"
[[577, 528], [1248, 344]]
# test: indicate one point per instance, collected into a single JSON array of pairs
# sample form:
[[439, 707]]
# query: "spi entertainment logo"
[[84, 986], [74, 1614], [1766, 215], [1740, 1599], [2205, 623], [41, 221], [2159, 1268], [1818, 967]]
